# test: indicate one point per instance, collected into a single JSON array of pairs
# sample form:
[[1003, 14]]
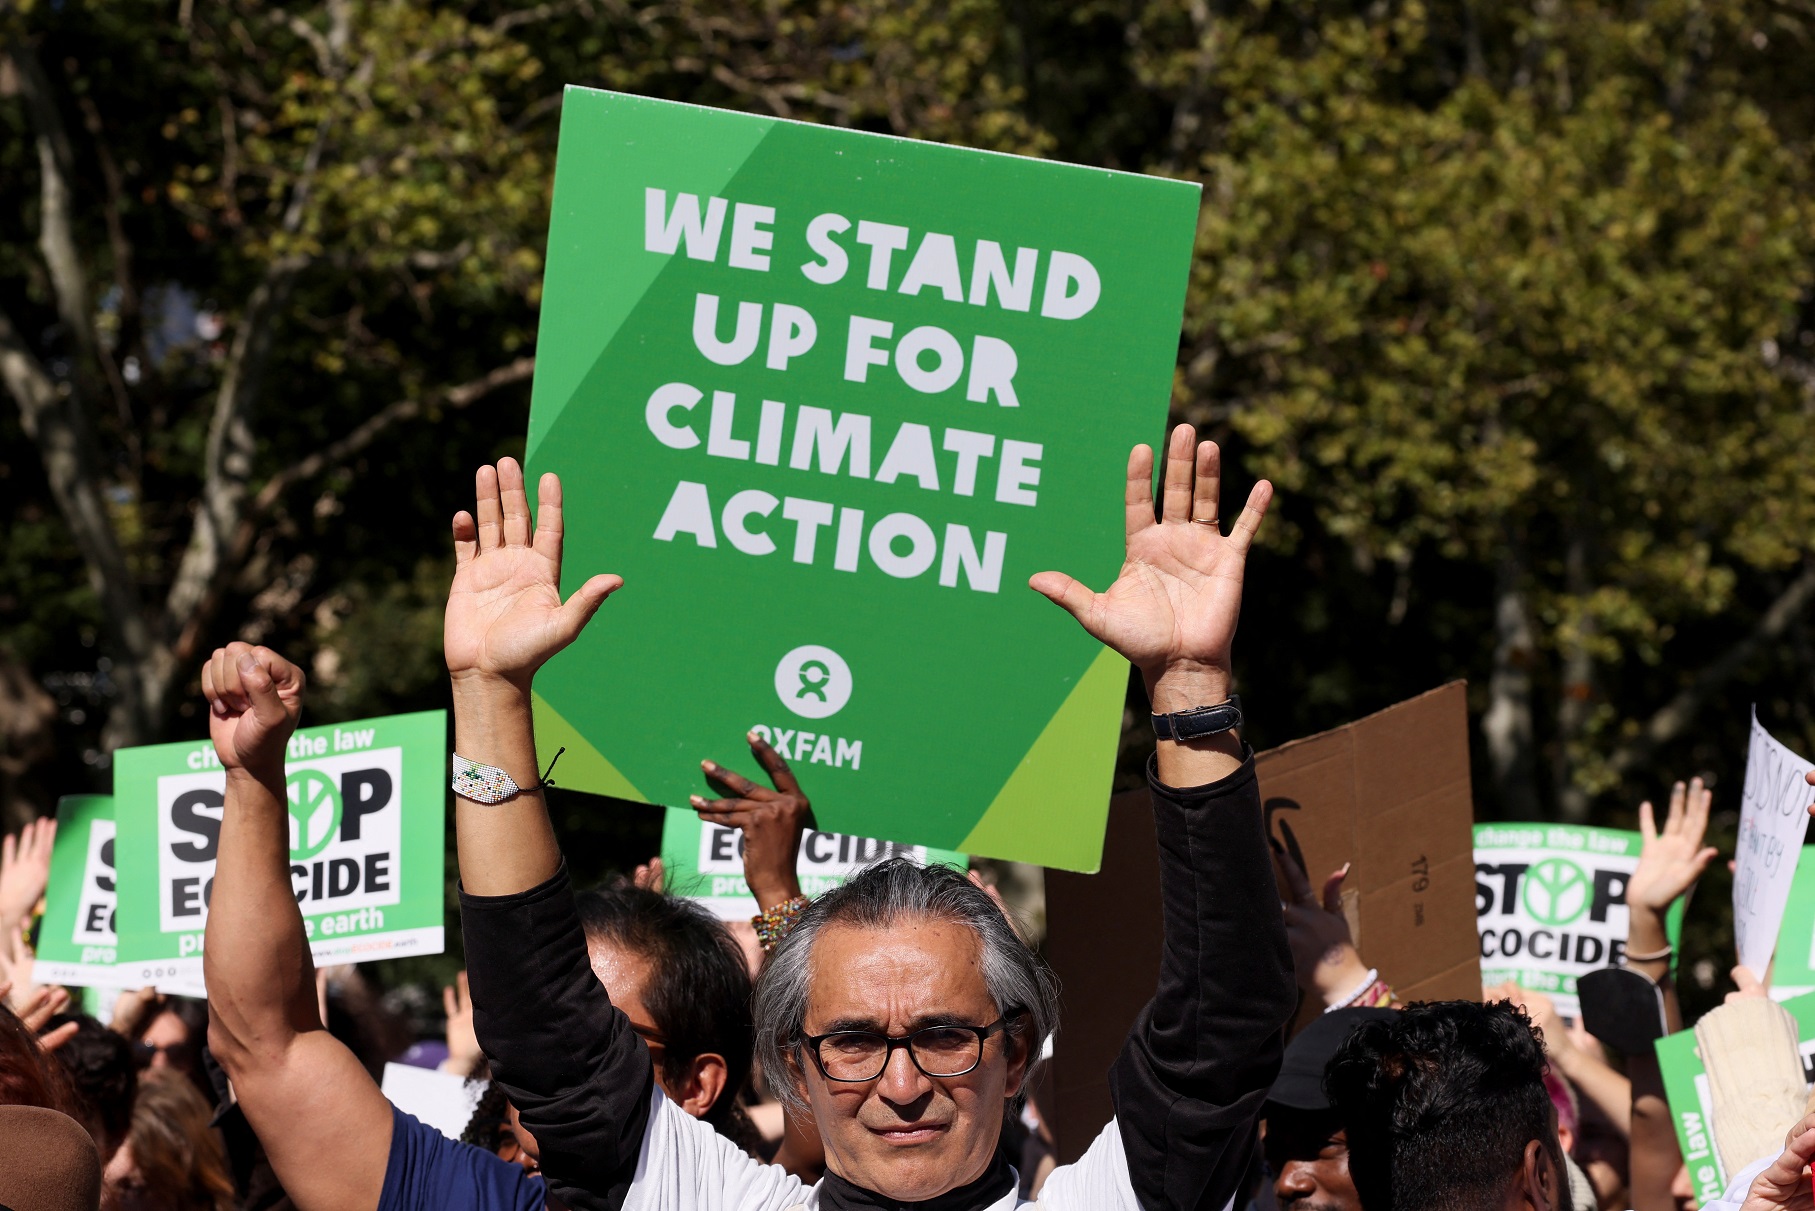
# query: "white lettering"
[[1015, 477], [935, 263], [943, 345], [750, 244], [738, 510], [689, 511], [969, 447], [663, 230], [884, 240], [989, 270], [832, 262], [742, 343], [922, 545], [983, 574], [1065, 270], [719, 442], [993, 366], [813, 427], [791, 333], [911, 453], [807, 516], [859, 351]]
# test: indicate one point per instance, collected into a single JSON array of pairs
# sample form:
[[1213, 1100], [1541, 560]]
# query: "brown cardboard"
[[1389, 793]]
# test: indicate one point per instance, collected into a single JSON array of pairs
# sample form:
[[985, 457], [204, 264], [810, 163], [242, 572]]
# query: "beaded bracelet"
[[774, 924]]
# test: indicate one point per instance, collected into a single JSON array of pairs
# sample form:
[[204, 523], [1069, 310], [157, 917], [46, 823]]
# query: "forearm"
[[1189, 1085], [261, 979], [1655, 1154], [1610, 1092], [508, 847]]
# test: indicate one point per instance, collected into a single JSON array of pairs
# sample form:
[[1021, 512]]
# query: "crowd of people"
[[875, 1047]]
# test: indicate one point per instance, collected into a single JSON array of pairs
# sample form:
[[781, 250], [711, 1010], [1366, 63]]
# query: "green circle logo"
[[314, 812], [1556, 891]]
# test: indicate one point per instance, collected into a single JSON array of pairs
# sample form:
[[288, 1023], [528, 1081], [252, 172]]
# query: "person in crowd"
[[902, 1010], [103, 1072], [331, 1137], [171, 1160], [28, 1074], [1306, 1145], [170, 1031], [1444, 1106]]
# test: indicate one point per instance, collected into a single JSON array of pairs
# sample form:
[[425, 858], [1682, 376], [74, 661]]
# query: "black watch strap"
[[1200, 721]]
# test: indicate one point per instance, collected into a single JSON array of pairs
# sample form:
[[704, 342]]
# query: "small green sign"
[[826, 400], [1793, 966], [76, 943], [1550, 904], [1692, 1104], [705, 862], [367, 806]]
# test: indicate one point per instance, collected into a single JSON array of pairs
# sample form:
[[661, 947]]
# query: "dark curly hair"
[[104, 1072], [1439, 1103]]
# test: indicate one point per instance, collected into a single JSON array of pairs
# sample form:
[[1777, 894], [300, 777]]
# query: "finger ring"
[[1208, 521]]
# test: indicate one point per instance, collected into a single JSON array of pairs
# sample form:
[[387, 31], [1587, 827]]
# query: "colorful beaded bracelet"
[[773, 924]]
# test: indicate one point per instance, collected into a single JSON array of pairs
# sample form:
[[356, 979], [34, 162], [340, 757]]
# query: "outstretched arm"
[[303, 1092], [1189, 1085], [579, 1078]]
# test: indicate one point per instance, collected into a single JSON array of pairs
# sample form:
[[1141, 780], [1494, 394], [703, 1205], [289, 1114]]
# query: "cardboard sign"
[[76, 943], [1692, 1104], [1391, 794], [705, 862], [1550, 904], [367, 816], [826, 400], [1773, 819]]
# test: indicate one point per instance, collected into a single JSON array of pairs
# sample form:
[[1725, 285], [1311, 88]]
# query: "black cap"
[[1299, 1085]]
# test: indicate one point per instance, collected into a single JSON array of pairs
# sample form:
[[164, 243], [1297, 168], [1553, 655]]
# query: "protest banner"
[[1389, 793], [1773, 819], [76, 943], [1550, 904], [826, 400], [1691, 1100], [367, 806], [1793, 966], [705, 862]]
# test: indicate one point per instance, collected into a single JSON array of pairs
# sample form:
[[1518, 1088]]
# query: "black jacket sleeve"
[[564, 1054], [1189, 1084]]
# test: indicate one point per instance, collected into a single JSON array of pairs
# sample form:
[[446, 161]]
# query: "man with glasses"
[[902, 1011]]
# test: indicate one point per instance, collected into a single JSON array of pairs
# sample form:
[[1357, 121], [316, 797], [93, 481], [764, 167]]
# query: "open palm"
[[1672, 859], [1178, 598], [505, 616]]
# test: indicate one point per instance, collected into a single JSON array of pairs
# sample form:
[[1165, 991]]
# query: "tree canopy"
[[1512, 301]]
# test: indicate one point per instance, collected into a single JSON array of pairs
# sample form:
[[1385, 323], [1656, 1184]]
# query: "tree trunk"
[[1507, 725]]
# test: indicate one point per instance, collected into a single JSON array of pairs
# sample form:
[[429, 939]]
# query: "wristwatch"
[[1200, 721]]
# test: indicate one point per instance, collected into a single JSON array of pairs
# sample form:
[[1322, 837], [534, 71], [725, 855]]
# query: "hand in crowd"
[[772, 819], [1323, 951], [463, 1053], [254, 700], [25, 997], [1173, 609], [505, 617], [649, 875], [1671, 860], [25, 871], [1784, 1185], [1746, 986], [134, 1010]]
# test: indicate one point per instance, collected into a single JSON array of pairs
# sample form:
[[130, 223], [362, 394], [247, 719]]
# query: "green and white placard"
[[367, 819], [1550, 904], [826, 400], [1692, 1104], [1793, 966], [705, 862], [76, 942]]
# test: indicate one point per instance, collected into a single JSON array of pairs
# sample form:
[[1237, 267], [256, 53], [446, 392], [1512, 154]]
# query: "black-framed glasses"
[[862, 1055]]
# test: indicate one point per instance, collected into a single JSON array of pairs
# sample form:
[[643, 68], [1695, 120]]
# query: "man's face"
[[905, 1135], [1309, 1155]]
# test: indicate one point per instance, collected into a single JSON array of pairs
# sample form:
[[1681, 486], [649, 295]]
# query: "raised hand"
[[254, 700], [25, 870], [1172, 611], [1784, 1185], [1672, 860], [772, 821], [505, 616]]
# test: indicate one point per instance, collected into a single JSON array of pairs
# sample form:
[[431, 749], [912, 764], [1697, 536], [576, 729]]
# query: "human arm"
[[1329, 969], [566, 1057], [772, 820], [303, 1092], [464, 1054], [1592, 1076], [1671, 859], [24, 872], [1189, 1084]]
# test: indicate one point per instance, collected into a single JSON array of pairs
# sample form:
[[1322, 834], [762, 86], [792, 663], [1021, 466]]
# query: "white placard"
[[1773, 818], [440, 1099]]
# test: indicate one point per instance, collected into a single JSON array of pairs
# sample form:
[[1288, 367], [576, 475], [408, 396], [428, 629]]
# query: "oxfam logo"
[[1556, 891], [314, 812]]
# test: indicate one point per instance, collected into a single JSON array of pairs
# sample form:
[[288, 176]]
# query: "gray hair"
[[879, 897]]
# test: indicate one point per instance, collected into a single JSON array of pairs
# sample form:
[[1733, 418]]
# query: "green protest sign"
[[705, 862], [826, 400], [367, 817], [76, 940], [1550, 904], [1692, 1103], [1793, 967]]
